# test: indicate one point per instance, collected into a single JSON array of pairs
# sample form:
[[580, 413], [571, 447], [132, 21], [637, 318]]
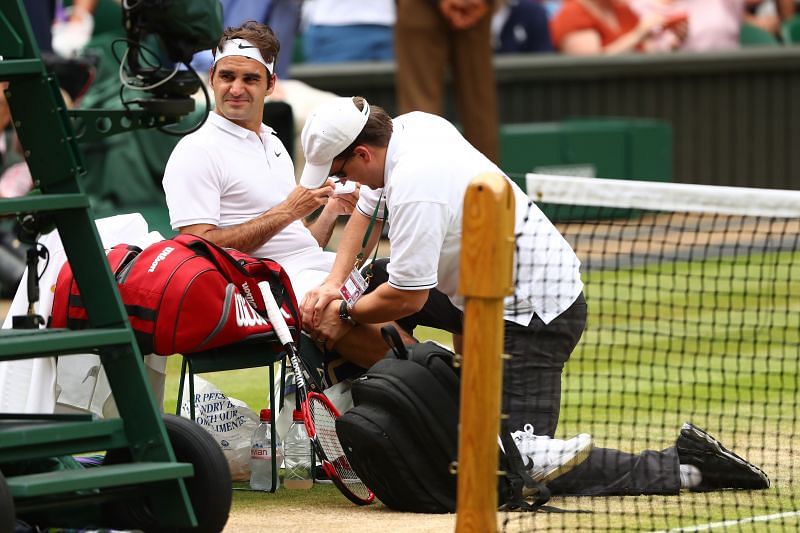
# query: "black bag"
[[401, 436]]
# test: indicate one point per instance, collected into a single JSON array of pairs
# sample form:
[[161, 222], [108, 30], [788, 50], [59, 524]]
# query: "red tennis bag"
[[186, 294]]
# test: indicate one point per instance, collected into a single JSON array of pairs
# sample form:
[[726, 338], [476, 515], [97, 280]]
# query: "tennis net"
[[693, 299]]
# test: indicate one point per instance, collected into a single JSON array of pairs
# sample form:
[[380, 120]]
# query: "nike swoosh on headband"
[[242, 47]]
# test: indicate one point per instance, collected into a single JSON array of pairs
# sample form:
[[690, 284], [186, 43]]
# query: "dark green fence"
[[735, 116]]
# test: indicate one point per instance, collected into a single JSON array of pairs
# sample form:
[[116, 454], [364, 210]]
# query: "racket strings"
[[325, 425]]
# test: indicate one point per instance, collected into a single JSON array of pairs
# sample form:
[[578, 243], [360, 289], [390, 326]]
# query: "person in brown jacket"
[[431, 35]]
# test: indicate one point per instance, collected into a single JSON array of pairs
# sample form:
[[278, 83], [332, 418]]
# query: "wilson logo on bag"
[[185, 295], [246, 316], [160, 257]]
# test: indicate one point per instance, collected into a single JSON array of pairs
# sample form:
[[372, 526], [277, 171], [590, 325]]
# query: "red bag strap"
[[230, 268], [233, 270]]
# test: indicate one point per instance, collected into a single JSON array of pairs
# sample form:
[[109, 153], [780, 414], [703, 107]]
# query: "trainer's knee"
[[532, 396]]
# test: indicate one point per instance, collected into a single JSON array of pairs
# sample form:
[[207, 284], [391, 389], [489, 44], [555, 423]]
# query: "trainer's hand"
[[330, 328], [343, 204], [302, 202], [316, 301]]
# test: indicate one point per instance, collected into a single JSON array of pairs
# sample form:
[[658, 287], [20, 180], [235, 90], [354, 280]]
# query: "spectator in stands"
[[712, 24], [5, 122], [15, 176], [787, 8], [283, 16], [15, 180], [606, 27], [763, 14], [429, 37], [551, 6], [520, 26], [348, 30], [73, 27]]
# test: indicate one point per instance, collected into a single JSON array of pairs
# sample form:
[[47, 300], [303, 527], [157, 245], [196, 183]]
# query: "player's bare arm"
[[250, 235]]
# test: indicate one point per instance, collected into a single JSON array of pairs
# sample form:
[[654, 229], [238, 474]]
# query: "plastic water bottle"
[[261, 455], [283, 419], [297, 459]]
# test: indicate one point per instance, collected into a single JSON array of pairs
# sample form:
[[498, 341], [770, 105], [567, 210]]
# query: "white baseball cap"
[[329, 130]]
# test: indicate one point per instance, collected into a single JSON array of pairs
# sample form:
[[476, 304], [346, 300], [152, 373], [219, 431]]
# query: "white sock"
[[690, 476]]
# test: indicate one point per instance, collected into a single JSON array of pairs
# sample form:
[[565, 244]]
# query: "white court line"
[[727, 523]]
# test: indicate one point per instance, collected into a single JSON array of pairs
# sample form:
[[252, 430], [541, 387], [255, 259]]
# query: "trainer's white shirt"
[[225, 175], [429, 166]]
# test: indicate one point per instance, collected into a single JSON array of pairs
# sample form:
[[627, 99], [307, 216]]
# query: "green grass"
[[680, 341], [726, 352], [320, 496]]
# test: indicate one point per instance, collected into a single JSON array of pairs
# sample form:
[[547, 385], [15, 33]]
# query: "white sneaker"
[[551, 457]]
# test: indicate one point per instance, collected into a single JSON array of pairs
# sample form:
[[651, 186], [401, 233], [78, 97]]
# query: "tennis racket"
[[319, 415]]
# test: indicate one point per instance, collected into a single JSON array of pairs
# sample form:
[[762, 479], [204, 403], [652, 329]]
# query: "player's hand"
[[343, 204], [330, 327], [316, 301], [302, 202], [463, 14]]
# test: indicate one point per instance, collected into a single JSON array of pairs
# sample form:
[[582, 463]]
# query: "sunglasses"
[[341, 175]]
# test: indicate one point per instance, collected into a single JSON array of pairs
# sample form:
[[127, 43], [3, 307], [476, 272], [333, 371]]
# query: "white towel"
[[77, 382]]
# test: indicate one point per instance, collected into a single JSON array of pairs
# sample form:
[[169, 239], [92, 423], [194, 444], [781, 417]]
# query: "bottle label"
[[260, 453]]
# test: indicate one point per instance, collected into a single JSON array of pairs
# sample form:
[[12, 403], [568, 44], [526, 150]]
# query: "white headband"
[[241, 47]]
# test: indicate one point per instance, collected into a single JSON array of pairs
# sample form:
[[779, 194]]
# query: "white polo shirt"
[[225, 175], [429, 166]]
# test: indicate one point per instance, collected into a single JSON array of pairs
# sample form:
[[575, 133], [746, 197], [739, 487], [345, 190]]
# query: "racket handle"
[[274, 314]]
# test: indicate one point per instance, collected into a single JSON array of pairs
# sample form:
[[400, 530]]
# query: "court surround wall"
[[735, 115]]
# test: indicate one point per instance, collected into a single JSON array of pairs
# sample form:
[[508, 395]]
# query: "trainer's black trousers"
[[532, 395]]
